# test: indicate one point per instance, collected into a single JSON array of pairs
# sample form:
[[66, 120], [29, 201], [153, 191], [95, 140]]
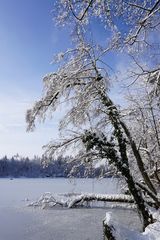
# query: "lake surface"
[[16, 191], [17, 221]]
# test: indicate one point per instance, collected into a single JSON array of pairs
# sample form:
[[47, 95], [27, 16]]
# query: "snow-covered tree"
[[143, 120], [82, 81], [133, 26]]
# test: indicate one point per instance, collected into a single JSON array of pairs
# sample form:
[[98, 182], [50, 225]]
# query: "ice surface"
[[57, 224], [19, 222]]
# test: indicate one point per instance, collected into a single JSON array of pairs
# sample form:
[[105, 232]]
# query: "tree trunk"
[[118, 124], [121, 162], [147, 218], [138, 158]]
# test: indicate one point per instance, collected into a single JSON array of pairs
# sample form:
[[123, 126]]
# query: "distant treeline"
[[33, 168]]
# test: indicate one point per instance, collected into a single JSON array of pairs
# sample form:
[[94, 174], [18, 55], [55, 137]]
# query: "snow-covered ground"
[[123, 231], [17, 221]]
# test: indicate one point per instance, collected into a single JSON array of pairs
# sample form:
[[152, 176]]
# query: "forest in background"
[[17, 166]]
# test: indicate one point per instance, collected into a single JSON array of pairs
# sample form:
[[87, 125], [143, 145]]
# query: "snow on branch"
[[77, 79], [72, 200]]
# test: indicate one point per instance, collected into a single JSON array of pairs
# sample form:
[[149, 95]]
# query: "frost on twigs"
[[138, 17], [75, 83]]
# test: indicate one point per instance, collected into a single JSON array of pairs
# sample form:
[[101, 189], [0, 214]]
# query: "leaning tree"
[[98, 129]]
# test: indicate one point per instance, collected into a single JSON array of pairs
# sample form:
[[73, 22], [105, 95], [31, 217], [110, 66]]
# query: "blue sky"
[[28, 42]]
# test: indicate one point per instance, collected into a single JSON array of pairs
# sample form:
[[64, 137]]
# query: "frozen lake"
[[17, 190], [19, 222]]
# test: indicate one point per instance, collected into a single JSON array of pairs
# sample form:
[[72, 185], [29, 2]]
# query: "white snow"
[[127, 231], [49, 200]]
